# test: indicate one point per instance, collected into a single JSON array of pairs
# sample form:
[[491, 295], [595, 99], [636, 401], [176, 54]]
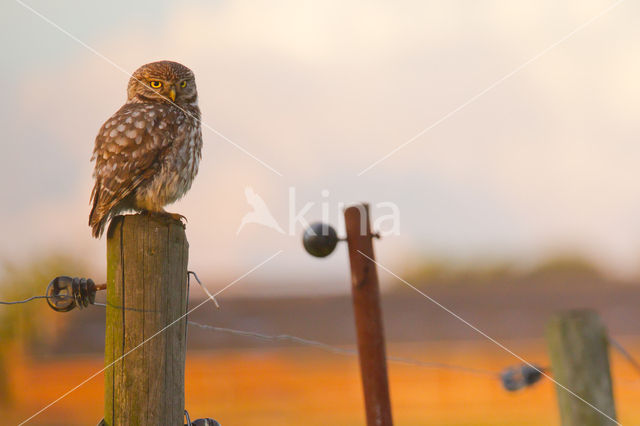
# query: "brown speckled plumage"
[[147, 153]]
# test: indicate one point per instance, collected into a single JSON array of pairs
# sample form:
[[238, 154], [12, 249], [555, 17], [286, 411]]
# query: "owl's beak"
[[172, 94]]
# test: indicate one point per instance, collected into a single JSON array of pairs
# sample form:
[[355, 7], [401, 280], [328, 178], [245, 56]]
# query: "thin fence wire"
[[616, 345], [293, 339], [19, 302], [625, 354], [104, 305], [337, 349]]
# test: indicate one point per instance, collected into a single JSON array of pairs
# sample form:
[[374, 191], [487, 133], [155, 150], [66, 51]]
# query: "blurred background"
[[522, 202]]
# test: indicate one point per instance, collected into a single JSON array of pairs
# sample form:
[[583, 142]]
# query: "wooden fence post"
[[368, 316], [578, 347], [146, 291]]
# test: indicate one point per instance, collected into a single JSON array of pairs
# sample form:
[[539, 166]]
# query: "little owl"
[[147, 153]]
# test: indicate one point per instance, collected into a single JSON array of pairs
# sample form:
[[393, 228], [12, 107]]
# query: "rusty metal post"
[[368, 316]]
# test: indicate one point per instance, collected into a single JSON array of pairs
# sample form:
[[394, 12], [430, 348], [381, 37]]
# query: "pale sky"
[[545, 161]]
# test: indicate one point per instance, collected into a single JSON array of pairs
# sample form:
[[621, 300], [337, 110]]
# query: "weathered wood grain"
[[147, 259], [578, 347]]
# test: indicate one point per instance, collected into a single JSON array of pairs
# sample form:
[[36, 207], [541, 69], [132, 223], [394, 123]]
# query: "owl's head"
[[163, 81]]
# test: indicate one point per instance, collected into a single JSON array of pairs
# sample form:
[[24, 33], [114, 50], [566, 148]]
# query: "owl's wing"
[[129, 150]]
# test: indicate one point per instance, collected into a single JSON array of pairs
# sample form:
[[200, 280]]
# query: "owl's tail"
[[98, 217]]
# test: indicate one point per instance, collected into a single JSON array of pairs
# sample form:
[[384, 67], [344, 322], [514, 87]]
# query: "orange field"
[[304, 386]]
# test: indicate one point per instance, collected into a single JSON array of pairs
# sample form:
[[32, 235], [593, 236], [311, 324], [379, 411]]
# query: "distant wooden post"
[[146, 291], [368, 315], [578, 346]]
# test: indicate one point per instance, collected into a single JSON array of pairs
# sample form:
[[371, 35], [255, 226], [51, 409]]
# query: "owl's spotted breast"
[[147, 154], [176, 169]]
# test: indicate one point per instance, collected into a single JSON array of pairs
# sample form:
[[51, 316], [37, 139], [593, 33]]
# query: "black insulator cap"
[[65, 293], [320, 239], [205, 422], [60, 294], [521, 376]]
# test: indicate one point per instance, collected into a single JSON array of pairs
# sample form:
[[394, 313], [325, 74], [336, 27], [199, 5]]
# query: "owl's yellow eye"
[[155, 84], [183, 84]]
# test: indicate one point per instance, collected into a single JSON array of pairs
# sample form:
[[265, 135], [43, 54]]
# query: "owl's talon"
[[175, 216], [180, 218]]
